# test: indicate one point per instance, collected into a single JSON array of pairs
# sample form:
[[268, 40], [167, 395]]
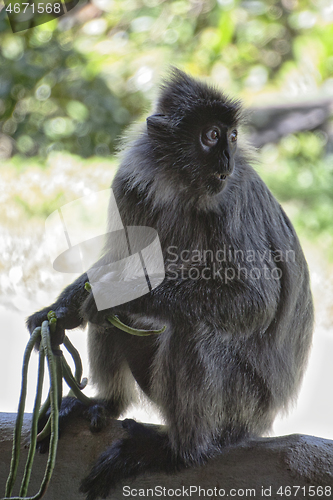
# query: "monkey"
[[235, 300]]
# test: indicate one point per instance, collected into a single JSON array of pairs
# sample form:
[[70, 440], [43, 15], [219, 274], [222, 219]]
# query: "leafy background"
[[71, 87], [74, 84]]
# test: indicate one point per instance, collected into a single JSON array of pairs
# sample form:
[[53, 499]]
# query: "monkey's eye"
[[233, 136], [211, 136]]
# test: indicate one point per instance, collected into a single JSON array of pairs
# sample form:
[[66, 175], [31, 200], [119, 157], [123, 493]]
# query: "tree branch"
[[269, 463]]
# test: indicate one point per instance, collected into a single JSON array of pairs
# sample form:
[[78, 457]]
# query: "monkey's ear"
[[157, 125]]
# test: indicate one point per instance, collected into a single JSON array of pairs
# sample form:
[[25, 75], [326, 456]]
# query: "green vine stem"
[[81, 385], [54, 397], [78, 365], [73, 384], [19, 419], [76, 358], [45, 407], [45, 431], [45, 346], [33, 433], [58, 357], [115, 321]]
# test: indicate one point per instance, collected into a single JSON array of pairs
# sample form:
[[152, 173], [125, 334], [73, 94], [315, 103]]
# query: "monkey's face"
[[198, 150], [217, 143], [208, 143], [194, 136]]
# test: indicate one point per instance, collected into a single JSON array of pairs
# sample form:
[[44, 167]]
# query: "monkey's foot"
[[98, 414], [144, 451]]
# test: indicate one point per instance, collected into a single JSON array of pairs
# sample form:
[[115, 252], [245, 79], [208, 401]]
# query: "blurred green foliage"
[[53, 99], [302, 179], [75, 83]]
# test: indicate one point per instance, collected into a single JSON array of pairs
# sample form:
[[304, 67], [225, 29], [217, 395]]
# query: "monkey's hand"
[[67, 319]]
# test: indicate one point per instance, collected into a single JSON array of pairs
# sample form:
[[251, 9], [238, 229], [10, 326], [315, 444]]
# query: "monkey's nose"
[[226, 155], [226, 163]]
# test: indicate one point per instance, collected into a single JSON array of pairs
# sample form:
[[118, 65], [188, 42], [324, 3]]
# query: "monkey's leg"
[[190, 404], [109, 370], [145, 450]]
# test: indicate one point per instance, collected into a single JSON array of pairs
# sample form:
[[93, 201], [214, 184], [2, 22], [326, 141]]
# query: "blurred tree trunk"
[[271, 123]]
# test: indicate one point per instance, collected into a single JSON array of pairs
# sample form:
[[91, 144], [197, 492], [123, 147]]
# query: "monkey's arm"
[[69, 303], [182, 300]]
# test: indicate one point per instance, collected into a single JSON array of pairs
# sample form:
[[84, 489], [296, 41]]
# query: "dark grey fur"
[[234, 350]]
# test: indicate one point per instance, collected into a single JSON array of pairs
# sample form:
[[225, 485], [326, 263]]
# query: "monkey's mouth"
[[220, 177]]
